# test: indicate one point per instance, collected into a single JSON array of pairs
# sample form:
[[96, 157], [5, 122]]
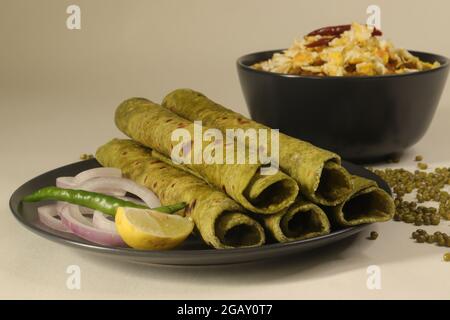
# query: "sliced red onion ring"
[[84, 211], [82, 177], [73, 219], [60, 206], [101, 221], [97, 173], [66, 182], [147, 196], [47, 215]]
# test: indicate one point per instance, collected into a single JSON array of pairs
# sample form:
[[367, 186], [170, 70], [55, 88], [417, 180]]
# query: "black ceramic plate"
[[192, 252]]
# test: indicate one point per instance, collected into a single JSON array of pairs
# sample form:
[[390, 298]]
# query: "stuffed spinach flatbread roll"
[[321, 178], [366, 204], [221, 222], [153, 126], [302, 220]]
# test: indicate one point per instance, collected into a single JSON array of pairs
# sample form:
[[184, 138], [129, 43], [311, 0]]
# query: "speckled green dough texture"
[[289, 225], [302, 161], [152, 125], [213, 213], [366, 204]]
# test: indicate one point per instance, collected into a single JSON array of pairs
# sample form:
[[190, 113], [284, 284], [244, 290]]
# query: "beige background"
[[147, 48], [58, 91]]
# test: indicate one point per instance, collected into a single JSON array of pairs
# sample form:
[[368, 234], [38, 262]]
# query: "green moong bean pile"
[[440, 238], [410, 212], [429, 187]]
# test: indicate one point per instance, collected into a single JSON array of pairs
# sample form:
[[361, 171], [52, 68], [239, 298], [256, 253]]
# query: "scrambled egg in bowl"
[[347, 50]]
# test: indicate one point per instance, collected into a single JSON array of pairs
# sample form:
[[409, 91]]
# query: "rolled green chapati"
[[302, 220], [153, 126], [318, 172], [366, 204], [221, 222]]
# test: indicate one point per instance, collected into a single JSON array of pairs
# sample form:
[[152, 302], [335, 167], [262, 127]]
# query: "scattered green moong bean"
[[373, 235], [447, 257], [420, 239], [86, 156], [440, 238], [429, 187]]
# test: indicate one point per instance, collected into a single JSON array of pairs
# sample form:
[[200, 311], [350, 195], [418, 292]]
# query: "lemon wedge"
[[146, 229]]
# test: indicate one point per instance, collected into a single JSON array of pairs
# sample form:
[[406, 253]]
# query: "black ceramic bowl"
[[360, 118]]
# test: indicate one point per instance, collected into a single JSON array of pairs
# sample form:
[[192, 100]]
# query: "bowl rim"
[[240, 63]]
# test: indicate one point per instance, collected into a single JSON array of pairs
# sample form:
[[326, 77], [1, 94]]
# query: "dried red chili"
[[338, 30], [331, 31]]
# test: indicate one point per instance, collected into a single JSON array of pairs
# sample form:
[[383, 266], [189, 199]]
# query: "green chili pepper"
[[93, 200]]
